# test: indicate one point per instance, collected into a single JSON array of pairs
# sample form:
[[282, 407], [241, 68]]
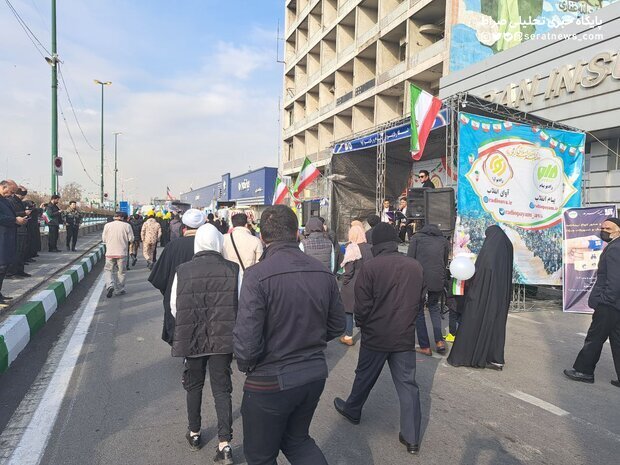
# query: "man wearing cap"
[[605, 300], [116, 236], [389, 293], [175, 253]]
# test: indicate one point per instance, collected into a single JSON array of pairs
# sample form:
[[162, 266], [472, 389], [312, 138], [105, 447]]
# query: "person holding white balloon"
[[481, 336]]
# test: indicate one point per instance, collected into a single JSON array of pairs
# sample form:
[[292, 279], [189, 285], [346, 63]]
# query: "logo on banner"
[[548, 175], [497, 169]]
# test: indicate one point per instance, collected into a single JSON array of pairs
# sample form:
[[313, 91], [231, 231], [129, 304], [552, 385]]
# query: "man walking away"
[[54, 218], [8, 232], [176, 227], [289, 309], [116, 236], [136, 223], [73, 220], [176, 253], [372, 220], [430, 248], [240, 246], [388, 294], [204, 303], [317, 244], [605, 300], [16, 270], [150, 235]]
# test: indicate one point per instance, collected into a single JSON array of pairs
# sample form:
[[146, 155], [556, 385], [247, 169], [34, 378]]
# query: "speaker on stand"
[[440, 208]]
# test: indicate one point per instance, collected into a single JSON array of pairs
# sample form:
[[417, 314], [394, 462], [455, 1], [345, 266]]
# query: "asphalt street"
[[124, 403]]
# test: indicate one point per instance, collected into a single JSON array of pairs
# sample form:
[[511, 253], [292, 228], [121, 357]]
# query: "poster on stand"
[[582, 248], [520, 177]]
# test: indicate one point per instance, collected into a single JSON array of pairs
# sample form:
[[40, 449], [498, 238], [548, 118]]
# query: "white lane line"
[[584, 335], [516, 317], [539, 403], [33, 442]]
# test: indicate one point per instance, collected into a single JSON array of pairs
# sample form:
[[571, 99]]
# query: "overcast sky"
[[195, 91]]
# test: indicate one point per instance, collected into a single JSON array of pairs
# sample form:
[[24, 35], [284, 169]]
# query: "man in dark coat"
[[372, 220], [316, 243], [176, 253], [388, 294], [289, 308], [176, 227], [34, 231], [204, 303], [605, 300], [16, 270], [481, 337], [136, 221], [430, 248], [8, 232], [54, 218], [72, 218]]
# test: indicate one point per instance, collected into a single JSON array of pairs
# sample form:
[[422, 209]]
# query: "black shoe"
[[5, 297], [110, 292], [134, 260], [615, 382], [23, 274], [495, 366], [194, 441], [578, 376], [223, 456], [68, 249], [411, 448], [339, 405]]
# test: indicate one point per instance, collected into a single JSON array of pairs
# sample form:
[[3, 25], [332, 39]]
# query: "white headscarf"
[[208, 238]]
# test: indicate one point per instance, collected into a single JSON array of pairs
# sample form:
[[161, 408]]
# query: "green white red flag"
[[307, 175], [424, 110], [280, 192]]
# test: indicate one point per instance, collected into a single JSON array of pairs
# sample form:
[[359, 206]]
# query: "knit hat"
[[194, 218], [384, 232], [373, 220]]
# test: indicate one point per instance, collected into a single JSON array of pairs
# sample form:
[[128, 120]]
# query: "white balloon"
[[462, 268]]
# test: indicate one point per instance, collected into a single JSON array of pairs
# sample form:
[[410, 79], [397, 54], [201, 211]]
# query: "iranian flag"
[[307, 175], [280, 192], [424, 109]]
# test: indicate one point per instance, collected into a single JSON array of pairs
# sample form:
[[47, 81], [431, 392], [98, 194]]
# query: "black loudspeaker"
[[440, 208], [415, 203], [310, 208]]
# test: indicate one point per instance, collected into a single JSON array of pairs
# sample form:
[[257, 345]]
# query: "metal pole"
[[115, 168], [102, 145], [54, 63]]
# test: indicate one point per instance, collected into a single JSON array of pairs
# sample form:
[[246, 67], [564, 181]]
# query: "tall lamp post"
[[102, 84], [116, 134]]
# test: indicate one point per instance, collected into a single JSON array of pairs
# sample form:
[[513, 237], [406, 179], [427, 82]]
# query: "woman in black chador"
[[481, 336]]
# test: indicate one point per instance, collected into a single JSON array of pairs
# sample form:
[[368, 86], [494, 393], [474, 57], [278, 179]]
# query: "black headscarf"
[[481, 337]]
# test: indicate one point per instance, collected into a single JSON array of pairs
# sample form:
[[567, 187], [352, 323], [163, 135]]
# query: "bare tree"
[[71, 191]]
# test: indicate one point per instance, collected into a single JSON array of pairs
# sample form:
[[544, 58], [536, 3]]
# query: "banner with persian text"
[[520, 177]]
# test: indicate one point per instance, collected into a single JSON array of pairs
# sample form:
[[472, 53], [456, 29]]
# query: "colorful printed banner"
[[521, 177], [581, 251]]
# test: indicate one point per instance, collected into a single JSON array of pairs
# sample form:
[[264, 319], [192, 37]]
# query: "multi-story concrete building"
[[348, 64]]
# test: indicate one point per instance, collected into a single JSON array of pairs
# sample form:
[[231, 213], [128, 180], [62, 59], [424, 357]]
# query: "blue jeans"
[[434, 310], [348, 330]]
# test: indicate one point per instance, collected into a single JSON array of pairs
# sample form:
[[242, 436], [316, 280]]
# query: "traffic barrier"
[[19, 328]]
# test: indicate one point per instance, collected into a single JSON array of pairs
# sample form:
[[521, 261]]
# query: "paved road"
[[124, 403]]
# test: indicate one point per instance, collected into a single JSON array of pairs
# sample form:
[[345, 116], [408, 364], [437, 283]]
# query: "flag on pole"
[[424, 109], [280, 192], [307, 175], [46, 217], [169, 194]]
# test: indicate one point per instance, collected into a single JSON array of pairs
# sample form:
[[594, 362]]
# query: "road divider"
[[19, 328]]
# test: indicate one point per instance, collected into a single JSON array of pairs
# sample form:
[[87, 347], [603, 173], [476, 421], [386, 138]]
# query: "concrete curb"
[[27, 319]]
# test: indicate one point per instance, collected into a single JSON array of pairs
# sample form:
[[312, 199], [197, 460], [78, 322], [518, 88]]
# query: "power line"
[[64, 84], [31, 35], [74, 146]]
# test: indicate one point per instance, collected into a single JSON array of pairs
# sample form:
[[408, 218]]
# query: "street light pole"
[[54, 63], [102, 84], [116, 134]]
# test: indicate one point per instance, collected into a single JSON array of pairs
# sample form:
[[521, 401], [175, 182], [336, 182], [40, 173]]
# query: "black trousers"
[[605, 325], [402, 367], [72, 235], [3, 270], [221, 387], [21, 252], [52, 238], [274, 421]]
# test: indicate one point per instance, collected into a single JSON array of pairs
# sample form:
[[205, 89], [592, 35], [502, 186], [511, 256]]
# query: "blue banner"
[[402, 131], [520, 177]]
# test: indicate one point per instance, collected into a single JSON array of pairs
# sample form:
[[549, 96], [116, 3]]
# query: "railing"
[[367, 35], [359, 90], [345, 51], [343, 98], [392, 73], [427, 53]]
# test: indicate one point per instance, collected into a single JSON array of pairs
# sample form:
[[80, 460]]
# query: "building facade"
[[348, 64]]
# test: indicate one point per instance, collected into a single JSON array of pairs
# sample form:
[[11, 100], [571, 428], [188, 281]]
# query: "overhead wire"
[[66, 89], [31, 35]]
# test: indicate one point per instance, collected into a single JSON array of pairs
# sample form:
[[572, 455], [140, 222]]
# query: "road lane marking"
[[516, 317], [33, 442], [584, 335], [540, 403]]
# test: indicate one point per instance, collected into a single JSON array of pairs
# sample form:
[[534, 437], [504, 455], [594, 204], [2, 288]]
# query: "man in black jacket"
[[289, 308], [372, 220], [605, 300], [136, 221], [54, 218], [16, 270], [430, 248], [388, 294]]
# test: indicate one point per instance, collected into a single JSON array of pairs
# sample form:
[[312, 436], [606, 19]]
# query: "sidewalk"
[[47, 265]]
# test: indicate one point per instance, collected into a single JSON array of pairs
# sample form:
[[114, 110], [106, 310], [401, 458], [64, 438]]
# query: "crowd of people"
[[545, 244], [20, 230]]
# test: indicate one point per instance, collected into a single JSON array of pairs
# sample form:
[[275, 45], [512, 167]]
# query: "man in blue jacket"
[[289, 308]]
